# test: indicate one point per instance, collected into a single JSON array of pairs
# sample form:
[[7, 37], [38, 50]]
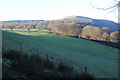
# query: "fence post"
[[21, 46], [47, 56], [85, 69]]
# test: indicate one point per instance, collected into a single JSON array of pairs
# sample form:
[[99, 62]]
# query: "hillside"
[[101, 60], [23, 20], [90, 21], [70, 19]]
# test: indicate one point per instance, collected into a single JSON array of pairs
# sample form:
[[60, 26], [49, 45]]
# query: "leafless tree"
[[113, 8]]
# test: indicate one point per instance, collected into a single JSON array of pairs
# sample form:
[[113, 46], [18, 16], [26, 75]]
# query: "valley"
[[101, 60]]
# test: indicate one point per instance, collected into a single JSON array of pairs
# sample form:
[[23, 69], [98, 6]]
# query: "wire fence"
[[24, 45]]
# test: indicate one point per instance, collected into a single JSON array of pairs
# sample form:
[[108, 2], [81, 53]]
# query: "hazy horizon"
[[51, 19]]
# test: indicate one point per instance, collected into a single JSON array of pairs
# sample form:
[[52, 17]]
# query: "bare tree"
[[115, 6], [28, 29]]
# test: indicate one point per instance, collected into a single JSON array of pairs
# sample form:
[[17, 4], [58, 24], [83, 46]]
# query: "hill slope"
[[94, 22], [101, 60], [23, 20]]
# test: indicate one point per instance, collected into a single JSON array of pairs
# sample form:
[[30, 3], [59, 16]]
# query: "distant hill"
[[23, 20], [90, 21], [81, 20], [106, 23]]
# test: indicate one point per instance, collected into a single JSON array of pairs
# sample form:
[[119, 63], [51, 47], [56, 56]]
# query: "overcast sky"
[[53, 9]]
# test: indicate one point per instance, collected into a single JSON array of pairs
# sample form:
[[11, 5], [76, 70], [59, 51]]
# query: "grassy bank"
[[101, 60]]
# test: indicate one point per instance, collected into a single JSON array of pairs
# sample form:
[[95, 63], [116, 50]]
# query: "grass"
[[32, 31], [101, 60], [32, 67]]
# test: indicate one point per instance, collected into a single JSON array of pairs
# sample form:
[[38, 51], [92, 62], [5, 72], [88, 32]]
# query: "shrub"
[[48, 64], [86, 76], [33, 66], [12, 55], [64, 67]]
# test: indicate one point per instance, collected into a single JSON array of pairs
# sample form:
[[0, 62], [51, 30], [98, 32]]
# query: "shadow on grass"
[[17, 65]]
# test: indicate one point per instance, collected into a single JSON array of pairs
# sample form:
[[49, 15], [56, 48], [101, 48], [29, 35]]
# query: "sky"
[[54, 9]]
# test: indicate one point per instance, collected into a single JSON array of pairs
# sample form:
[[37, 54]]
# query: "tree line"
[[62, 27], [84, 31]]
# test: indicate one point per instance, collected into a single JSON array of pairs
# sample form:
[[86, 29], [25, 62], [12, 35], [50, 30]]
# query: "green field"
[[101, 60], [42, 31]]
